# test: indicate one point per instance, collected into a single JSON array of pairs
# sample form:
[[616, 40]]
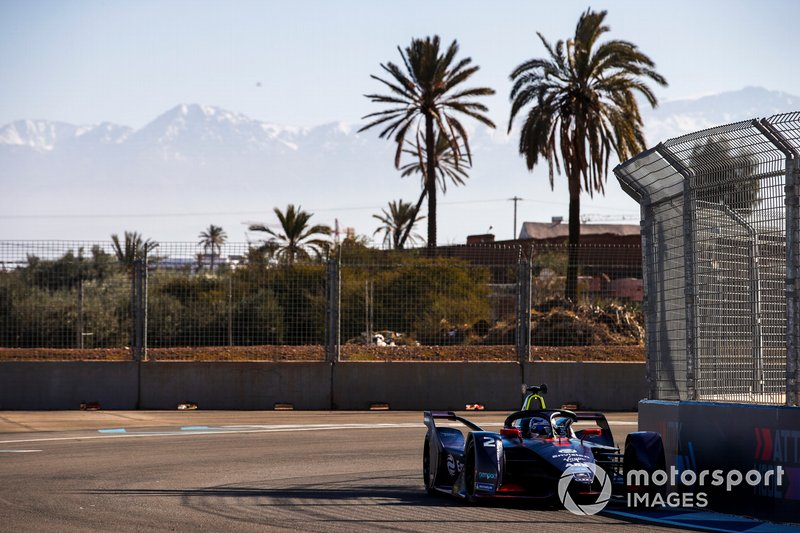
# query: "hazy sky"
[[308, 62]]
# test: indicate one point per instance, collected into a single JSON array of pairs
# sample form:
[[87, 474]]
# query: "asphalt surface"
[[244, 471]]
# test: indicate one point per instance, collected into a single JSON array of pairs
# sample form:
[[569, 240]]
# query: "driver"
[[535, 427]]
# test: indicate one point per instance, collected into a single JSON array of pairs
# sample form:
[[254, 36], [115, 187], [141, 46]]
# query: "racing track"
[[243, 471]]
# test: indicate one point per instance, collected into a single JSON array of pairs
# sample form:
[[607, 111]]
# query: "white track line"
[[212, 432], [19, 451], [236, 429]]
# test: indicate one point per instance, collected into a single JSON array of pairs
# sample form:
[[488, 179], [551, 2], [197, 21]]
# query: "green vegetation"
[[78, 301], [425, 299]]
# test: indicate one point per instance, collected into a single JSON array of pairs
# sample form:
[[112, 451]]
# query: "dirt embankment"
[[317, 353]]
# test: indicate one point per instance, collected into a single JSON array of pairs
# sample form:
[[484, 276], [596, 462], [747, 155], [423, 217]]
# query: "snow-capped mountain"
[[43, 136], [679, 117], [218, 163]]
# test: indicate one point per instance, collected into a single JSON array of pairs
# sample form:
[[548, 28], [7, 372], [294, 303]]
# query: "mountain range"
[[195, 165]]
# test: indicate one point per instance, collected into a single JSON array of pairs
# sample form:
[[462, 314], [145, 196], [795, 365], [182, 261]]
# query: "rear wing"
[[430, 417], [606, 438]]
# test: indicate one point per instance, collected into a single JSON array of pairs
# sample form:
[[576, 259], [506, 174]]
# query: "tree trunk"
[[430, 179], [571, 289]]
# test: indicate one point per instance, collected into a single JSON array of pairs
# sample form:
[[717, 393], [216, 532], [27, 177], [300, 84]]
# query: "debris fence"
[[720, 235], [74, 300]]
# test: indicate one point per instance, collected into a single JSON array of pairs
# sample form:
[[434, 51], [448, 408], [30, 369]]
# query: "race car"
[[531, 454]]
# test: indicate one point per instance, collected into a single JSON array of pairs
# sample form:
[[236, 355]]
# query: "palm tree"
[[425, 101], [212, 239], [133, 249], [581, 104], [297, 237], [398, 223]]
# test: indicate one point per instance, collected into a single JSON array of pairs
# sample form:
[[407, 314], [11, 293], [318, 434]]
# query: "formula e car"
[[531, 454]]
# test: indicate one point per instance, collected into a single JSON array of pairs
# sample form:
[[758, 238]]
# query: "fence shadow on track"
[[380, 491], [358, 502]]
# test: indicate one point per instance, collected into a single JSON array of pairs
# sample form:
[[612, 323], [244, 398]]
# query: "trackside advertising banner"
[[753, 451]]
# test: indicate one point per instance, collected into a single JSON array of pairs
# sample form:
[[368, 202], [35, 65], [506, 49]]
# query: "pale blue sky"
[[128, 61]]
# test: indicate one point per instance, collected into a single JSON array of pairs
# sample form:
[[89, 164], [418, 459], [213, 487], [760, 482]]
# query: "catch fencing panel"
[[234, 302], [606, 319], [458, 303], [492, 302], [239, 301], [63, 300], [714, 218]]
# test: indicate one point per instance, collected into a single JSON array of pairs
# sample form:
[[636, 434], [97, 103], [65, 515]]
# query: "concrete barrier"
[[228, 385], [592, 385], [418, 386], [727, 437], [39, 386], [316, 385]]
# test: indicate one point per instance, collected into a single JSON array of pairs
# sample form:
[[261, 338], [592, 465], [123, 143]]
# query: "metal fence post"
[[792, 201], [689, 255], [144, 306], [689, 291], [648, 298], [333, 311], [137, 287], [792, 207], [524, 272]]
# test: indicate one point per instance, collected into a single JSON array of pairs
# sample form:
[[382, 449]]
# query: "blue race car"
[[529, 456]]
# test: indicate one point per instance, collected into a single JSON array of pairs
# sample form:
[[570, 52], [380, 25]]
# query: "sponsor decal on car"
[[451, 465], [484, 486], [487, 475]]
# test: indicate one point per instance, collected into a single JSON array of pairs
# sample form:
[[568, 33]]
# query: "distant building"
[[610, 255], [557, 232]]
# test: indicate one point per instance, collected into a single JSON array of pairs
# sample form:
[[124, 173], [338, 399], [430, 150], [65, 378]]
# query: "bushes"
[[426, 299], [439, 301], [33, 315]]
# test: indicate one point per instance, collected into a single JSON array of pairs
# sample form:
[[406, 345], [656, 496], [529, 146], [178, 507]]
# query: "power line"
[[241, 213]]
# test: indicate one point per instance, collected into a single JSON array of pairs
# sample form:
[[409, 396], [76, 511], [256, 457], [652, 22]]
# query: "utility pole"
[[515, 200]]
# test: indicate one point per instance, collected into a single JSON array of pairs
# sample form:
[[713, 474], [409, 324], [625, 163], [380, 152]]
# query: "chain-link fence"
[[719, 220], [78, 300]]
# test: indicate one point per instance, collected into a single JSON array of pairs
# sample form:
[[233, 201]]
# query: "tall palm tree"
[[298, 238], [426, 101], [581, 107], [212, 239], [398, 223], [131, 249]]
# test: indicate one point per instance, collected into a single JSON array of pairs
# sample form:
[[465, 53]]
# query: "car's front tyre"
[[470, 474], [428, 475]]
